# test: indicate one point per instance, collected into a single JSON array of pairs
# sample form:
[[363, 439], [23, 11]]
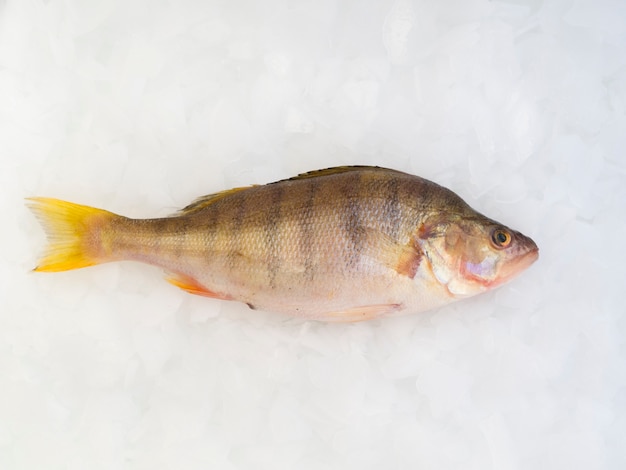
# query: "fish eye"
[[501, 238]]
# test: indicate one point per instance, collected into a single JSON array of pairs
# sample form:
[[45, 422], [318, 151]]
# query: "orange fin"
[[68, 227], [204, 201], [192, 286], [362, 313]]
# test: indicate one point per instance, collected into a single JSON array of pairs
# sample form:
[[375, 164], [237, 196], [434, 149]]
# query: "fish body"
[[341, 244]]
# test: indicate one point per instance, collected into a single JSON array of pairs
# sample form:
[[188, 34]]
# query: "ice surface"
[[139, 107]]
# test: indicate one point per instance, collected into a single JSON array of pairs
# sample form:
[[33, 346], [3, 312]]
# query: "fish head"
[[472, 254]]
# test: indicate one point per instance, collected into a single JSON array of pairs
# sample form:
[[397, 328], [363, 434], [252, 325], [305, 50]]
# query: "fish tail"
[[73, 233]]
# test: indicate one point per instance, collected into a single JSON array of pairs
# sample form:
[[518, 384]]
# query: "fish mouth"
[[532, 251], [520, 263], [529, 258]]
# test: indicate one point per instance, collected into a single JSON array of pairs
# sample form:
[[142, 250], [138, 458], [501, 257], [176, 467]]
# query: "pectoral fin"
[[409, 260], [405, 259]]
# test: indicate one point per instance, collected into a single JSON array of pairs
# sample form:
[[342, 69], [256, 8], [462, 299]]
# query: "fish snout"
[[527, 248]]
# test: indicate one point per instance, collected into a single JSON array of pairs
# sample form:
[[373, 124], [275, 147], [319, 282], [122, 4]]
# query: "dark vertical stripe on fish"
[[234, 252], [272, 239], [159, 226], [392, 214], [178, 230], [305, 221], [351, 218], [212, 224]]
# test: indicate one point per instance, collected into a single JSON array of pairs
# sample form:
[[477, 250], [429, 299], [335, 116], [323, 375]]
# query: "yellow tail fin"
[[70, 228]]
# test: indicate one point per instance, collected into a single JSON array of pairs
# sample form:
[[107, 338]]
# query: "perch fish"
[[341, 244]]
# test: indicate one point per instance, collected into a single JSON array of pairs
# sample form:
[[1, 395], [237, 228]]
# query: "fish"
[[341, 244]]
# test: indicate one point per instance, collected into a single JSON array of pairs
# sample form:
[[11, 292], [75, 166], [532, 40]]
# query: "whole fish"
[[340, 244]]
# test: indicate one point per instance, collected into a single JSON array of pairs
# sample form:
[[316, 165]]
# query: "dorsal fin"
[[335, 170], [204, 201]]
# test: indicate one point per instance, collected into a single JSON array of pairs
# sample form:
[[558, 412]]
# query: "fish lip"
[[528, 251], [533, 251], [530, 257], [522, 263]]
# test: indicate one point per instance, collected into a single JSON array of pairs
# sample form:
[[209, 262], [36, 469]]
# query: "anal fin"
[[361, 313], [189, 284]]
